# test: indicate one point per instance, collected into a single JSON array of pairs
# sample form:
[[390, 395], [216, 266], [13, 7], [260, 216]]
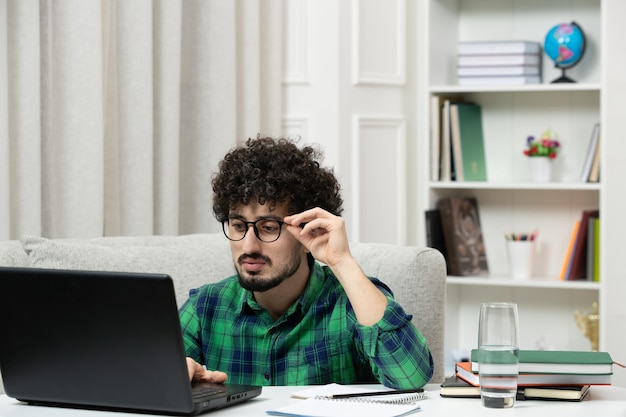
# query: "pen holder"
[[520, 254]]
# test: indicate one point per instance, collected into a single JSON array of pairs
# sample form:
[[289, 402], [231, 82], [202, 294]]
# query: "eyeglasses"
[[266, 230]]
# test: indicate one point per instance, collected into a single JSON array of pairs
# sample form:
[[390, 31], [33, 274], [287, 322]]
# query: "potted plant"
[[541, 153]]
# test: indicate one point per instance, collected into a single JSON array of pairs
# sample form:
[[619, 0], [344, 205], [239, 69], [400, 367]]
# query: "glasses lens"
[[234, 229], [268, 230]]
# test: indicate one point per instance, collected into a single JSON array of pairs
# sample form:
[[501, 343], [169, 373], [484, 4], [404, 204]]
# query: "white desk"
[[601, 401]]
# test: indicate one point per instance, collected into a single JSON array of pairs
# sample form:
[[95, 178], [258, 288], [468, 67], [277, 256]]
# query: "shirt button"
[[267, 376]]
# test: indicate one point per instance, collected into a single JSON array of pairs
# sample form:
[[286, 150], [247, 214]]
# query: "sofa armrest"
[[417, 278]]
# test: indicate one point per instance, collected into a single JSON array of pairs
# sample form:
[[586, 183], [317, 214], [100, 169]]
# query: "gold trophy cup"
[[589, 324]]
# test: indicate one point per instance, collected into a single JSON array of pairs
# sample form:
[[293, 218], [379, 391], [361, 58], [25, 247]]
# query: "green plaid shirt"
[[316, 341]]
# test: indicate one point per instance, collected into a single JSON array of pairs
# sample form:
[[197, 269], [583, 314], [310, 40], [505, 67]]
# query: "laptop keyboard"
[[200, 392]]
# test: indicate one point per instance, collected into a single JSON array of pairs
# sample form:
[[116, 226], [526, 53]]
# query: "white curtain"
[[114, 113]]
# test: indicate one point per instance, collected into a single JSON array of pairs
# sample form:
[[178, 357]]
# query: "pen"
[[534, 235], [521, 236], [374, 393]]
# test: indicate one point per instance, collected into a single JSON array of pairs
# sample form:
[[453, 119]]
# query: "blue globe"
[[565, 44]]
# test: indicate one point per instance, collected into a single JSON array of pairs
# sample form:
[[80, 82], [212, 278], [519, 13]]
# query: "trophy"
[[589, 324]]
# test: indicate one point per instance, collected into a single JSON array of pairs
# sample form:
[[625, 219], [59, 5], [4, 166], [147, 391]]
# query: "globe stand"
[[563, 78]]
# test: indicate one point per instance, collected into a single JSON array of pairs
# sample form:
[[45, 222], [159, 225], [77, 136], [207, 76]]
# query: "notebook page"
[[327, 390]]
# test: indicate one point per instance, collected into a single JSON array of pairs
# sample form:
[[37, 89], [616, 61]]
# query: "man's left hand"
[[322, 233]]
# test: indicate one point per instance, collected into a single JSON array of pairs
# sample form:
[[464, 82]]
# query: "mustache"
[[253, 256]]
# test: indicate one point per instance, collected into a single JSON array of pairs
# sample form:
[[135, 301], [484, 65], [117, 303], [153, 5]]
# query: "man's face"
[[265, 265]]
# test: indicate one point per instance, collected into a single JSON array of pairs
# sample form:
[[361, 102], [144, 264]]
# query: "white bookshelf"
[[514, 185], [509, 201], [536, 282]]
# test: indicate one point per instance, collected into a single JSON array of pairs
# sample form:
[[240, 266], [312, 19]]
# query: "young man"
[[285, 319]]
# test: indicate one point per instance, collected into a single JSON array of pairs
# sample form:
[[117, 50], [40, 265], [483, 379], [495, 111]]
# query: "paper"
[[315, 407], [313, 403], [329, 389]]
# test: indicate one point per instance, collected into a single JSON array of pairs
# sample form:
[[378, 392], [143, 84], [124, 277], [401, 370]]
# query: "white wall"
[[348, 88]]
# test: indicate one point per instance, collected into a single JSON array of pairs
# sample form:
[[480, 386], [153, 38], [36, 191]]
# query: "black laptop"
[[99, 340]]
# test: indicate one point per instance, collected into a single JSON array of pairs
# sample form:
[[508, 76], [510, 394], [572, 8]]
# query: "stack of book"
[[581, 260], [457, 141], [455, 387], [499, 62], [543, 374]]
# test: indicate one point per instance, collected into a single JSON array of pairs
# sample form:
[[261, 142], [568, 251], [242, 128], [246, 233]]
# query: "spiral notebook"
[[318, 402]]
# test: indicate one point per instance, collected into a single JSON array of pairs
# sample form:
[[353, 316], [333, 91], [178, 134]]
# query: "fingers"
[[218, 377], [305, 216], [322, 233], [198, 372], [314, 222], [308, 229]]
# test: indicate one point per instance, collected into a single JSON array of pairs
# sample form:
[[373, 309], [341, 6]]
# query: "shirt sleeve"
[[396, 350], [191, 329]]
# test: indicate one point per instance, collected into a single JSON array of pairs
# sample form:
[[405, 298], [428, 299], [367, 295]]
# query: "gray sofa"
[[415, 275]]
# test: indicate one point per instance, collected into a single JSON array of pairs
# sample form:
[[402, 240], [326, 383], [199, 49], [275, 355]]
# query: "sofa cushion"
[[191, 260], [12, 254]]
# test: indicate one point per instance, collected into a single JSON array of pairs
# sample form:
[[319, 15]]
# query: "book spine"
[[456, 143], [434, 232], [515, 70], [590, 248], [502, 80], [579, 256], [594, 174], [502, 60], [445, 149], [447, 226], [435, 138], [472, 147], [596, 250], [498, 47], [568, 253], [591, 152]]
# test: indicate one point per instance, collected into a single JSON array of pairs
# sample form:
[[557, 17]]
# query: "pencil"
[[374, 393]]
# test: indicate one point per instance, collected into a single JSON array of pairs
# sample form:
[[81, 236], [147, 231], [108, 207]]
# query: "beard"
[[252, 281]]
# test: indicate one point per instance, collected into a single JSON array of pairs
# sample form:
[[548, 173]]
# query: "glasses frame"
[[254, 228]]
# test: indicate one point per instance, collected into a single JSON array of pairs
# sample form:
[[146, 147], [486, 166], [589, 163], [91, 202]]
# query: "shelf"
[[528, 88], [508, 185], [510, 200], [529, 283]]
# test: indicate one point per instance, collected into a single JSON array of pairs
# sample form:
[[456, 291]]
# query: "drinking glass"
[[498, 350]]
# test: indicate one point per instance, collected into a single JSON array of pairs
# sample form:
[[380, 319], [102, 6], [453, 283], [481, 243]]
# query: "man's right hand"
[[198, 372]]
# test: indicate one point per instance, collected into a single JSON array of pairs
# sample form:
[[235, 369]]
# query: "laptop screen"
[[93, 339]]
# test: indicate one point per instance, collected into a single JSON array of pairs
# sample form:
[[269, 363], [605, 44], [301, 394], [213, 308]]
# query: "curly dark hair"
[[274, 171]]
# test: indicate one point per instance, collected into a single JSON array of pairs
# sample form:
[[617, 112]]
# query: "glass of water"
[[498, 350]]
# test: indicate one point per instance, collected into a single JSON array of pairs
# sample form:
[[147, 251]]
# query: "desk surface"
[[601, 401]]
